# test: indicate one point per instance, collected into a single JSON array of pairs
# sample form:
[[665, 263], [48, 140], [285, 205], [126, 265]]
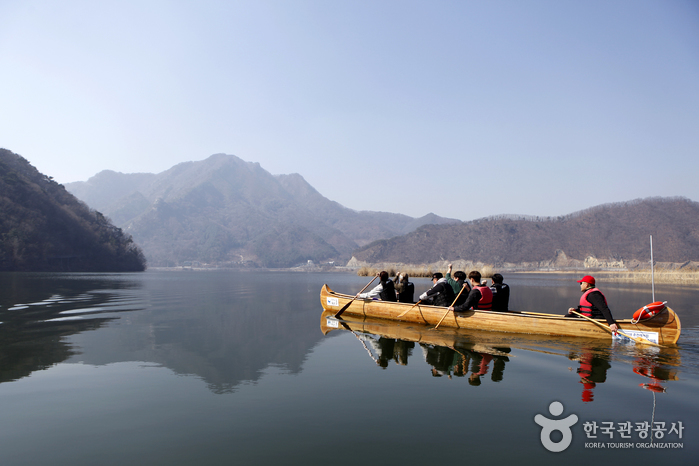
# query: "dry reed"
[[486, 271], [659, 276]]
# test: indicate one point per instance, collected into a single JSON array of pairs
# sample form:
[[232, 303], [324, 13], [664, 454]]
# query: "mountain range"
[[610, 235], [226, 211]]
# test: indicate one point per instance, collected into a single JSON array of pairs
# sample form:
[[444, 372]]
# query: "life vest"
[[586, 306], [648, 311], [389, 291], [486, 301]]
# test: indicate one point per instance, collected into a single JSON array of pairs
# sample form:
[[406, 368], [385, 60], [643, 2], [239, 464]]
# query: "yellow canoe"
[[663, 329]]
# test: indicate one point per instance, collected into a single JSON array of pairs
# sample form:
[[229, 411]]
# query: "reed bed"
[[679, 276], [682, 276], [486, 271]]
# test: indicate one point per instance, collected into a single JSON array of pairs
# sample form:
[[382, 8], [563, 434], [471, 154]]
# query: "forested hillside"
[[612, 232], [45, 228]]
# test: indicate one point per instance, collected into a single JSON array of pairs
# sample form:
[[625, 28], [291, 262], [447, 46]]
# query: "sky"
[[466, 109]]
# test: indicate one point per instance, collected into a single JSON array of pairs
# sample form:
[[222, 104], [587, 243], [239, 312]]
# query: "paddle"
[[344, 308], [640, 340], [452, 305], [411, 308]]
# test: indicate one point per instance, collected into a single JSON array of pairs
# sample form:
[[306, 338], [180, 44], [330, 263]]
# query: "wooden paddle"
[[452, 304], [344, 308], [405, 312], [640, 340]]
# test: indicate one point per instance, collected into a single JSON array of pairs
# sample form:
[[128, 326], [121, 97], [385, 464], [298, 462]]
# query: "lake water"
[[209, 368]]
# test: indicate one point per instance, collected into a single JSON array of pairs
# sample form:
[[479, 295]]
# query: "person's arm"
[[473, 297], [436, 289], [597, 300], [373, 293]]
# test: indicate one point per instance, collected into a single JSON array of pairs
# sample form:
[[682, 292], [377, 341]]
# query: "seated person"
[[405, 289], [441, 293], [501, 293], [593, 304], [384, 290], [480, 297], [457, 284]]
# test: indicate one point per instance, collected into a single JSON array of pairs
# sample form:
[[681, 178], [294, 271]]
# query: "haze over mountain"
[[45, 228], [224, 210], [610, 235]]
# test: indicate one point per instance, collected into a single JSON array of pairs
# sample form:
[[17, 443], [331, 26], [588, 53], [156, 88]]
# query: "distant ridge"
[[604, 235], [228, 212], [45, 228]]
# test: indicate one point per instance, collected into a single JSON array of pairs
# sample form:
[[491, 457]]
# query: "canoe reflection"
[[450, 354], [480, 355]]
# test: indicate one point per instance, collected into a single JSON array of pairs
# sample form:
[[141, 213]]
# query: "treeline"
[[45, 228]]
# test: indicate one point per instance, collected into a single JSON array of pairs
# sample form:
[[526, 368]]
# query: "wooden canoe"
[[663, 329]]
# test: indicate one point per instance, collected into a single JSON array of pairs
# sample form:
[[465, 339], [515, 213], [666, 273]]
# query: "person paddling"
[[441, 293], [385, 290], [593, 304], [480, 297]]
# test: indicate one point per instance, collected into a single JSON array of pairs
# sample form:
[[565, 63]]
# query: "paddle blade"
[[344, 308]]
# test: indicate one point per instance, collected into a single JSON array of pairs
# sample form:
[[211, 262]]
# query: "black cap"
[[437, 275]]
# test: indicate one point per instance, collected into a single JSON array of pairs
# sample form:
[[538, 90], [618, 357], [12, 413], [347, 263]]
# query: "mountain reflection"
[[37, 317], [225, 328]]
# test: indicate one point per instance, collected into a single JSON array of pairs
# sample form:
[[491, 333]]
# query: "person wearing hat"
[[441, 293], [593, 304]]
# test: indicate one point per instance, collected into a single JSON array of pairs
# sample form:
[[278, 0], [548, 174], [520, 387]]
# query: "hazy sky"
[[461, 108]]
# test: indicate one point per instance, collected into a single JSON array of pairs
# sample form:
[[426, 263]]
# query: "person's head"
[[497, 278], [460, 276], [436, 276], [475, 276], [383, 276], [404, 278], [587, 282]]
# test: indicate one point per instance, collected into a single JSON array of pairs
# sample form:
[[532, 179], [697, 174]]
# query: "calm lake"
[[220, 368]]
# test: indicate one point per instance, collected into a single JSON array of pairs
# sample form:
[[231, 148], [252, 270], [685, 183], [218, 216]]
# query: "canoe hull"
[[666, 325]]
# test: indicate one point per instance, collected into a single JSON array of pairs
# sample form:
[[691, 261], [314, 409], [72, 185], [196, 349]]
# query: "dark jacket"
[[406, 292], [441, 293], [501, 296], [389, 291]]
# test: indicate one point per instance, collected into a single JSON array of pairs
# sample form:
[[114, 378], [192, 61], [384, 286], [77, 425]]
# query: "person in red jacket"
[[593, 304]]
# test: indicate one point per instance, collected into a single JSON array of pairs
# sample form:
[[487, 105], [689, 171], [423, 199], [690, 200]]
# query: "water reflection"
[[594, 363], [36, 319], [224, 328], [482, 357]]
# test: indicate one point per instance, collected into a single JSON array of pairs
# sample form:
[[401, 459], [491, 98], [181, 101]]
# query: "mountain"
[[606, 234], [224, 210], [45, 228]]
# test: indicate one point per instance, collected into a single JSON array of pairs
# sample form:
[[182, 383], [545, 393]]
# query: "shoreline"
[[660, 275]]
